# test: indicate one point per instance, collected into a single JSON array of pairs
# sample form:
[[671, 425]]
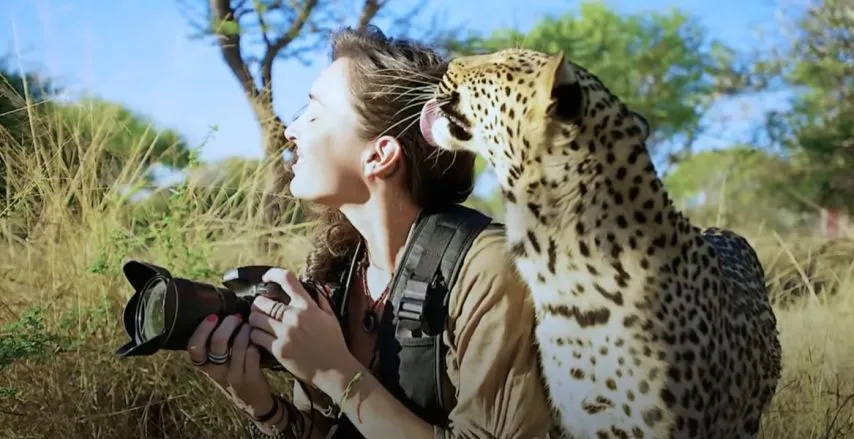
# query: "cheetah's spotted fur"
[[648, 327]]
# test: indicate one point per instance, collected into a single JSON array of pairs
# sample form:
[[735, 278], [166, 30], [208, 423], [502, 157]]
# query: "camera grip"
[[275, 292]]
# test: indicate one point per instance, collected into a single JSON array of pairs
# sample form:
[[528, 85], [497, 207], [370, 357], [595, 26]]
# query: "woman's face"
[[331, 158]]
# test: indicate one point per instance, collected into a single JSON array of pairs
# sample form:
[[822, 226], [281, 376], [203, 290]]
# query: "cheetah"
[[647, 326]]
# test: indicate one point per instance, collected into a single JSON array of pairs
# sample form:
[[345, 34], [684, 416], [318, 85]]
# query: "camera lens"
[[151, 312]]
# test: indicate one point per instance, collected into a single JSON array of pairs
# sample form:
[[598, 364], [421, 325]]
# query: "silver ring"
[[199, 363], [278, 311], [219, 359]]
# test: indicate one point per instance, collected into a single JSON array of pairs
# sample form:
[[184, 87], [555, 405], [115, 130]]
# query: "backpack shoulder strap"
[[431, 264]]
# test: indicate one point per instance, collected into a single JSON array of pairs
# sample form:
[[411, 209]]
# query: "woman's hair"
[[388, 78]]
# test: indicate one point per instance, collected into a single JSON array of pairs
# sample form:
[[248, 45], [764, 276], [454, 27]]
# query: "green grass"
[[64, 237]]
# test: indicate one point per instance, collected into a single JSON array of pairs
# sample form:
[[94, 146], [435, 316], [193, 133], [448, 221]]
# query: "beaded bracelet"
[[256, 433]]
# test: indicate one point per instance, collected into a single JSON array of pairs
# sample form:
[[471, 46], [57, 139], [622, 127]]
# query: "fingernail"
[[238, 317], [211, 318]]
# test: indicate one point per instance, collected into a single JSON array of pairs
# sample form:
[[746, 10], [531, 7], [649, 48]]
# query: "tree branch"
[[229, 43], [282, 42], [369, 11], [263, 26]]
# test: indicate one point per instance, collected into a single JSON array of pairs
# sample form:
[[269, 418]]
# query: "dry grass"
[[63, 240]]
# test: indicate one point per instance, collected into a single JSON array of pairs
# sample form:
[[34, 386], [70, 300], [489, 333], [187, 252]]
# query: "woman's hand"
[[304, 336], [239, 376]]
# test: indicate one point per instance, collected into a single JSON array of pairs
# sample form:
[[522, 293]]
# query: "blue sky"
[[139, 53]]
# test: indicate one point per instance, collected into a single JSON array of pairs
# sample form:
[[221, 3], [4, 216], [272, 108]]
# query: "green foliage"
[[817, 130], [230, 190], [162, 233], [663, 65], [226, 186], [32, 338], [224, 27], [121, 133], [109, 134], [26, 338], [738, 186], [169, 245]]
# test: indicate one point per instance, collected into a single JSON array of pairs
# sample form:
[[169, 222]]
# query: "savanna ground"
[[65, 237]]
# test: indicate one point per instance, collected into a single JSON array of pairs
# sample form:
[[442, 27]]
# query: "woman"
[[375, 178]]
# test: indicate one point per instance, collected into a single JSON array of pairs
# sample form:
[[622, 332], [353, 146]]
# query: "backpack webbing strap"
[[431, 265]]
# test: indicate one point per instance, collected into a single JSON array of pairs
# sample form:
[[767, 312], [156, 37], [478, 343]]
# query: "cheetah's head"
[[515, 104]]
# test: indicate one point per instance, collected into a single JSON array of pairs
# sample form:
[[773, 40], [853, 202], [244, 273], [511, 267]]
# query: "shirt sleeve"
[[492, 357]]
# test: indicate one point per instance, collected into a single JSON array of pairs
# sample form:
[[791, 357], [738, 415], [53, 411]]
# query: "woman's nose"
[[289, 133]]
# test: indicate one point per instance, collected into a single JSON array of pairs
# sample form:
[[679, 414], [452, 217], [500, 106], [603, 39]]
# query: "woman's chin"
[[299, 188], [305, 188]]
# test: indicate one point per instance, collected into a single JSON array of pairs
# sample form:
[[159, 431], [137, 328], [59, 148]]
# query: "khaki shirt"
[[495, 388]]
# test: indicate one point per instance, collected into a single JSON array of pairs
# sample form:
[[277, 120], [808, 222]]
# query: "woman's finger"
[[259, 319], [262, 339], [252, 366], [273, 309], [197, 344], [238, 354], [220, 341]]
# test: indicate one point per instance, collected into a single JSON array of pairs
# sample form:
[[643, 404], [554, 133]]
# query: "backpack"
[[411, 350]]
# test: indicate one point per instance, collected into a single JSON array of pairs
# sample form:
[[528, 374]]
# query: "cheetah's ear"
[[567, 97]]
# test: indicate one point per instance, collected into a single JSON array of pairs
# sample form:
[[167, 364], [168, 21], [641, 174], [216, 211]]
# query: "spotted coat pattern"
[[648, 327]]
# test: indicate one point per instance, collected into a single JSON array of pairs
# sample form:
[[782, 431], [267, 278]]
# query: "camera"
[[164, 311]]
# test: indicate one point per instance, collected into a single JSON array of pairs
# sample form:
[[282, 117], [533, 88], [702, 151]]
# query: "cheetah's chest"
[[598, 371]]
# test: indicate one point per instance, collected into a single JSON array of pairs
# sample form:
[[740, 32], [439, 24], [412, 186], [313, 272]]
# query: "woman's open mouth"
[[295, 158]]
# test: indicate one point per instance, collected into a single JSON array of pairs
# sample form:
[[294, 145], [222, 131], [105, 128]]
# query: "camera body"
[[164, 310]]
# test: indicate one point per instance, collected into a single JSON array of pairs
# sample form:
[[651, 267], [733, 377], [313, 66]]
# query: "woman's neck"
[[384, 222]]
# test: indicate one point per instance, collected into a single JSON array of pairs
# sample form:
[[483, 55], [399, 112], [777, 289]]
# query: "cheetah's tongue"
[[429, 113]]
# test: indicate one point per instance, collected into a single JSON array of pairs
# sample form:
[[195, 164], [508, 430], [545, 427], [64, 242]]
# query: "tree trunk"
[[278, 173], [276, 189]]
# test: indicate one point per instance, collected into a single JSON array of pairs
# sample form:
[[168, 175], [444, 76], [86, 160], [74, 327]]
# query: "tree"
[[251, 37], [817, 130], [664, 66]]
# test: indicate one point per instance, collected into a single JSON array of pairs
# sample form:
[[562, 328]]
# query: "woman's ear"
[[383, 158]]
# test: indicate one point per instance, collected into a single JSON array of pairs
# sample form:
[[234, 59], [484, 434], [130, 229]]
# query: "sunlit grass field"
[[64, 236]]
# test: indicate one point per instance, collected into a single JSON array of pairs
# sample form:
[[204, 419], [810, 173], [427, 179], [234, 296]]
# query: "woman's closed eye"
[[311, 113], [299, 113]]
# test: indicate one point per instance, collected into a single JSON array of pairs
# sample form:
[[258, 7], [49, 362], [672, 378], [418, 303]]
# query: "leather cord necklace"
[[370, 320]]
